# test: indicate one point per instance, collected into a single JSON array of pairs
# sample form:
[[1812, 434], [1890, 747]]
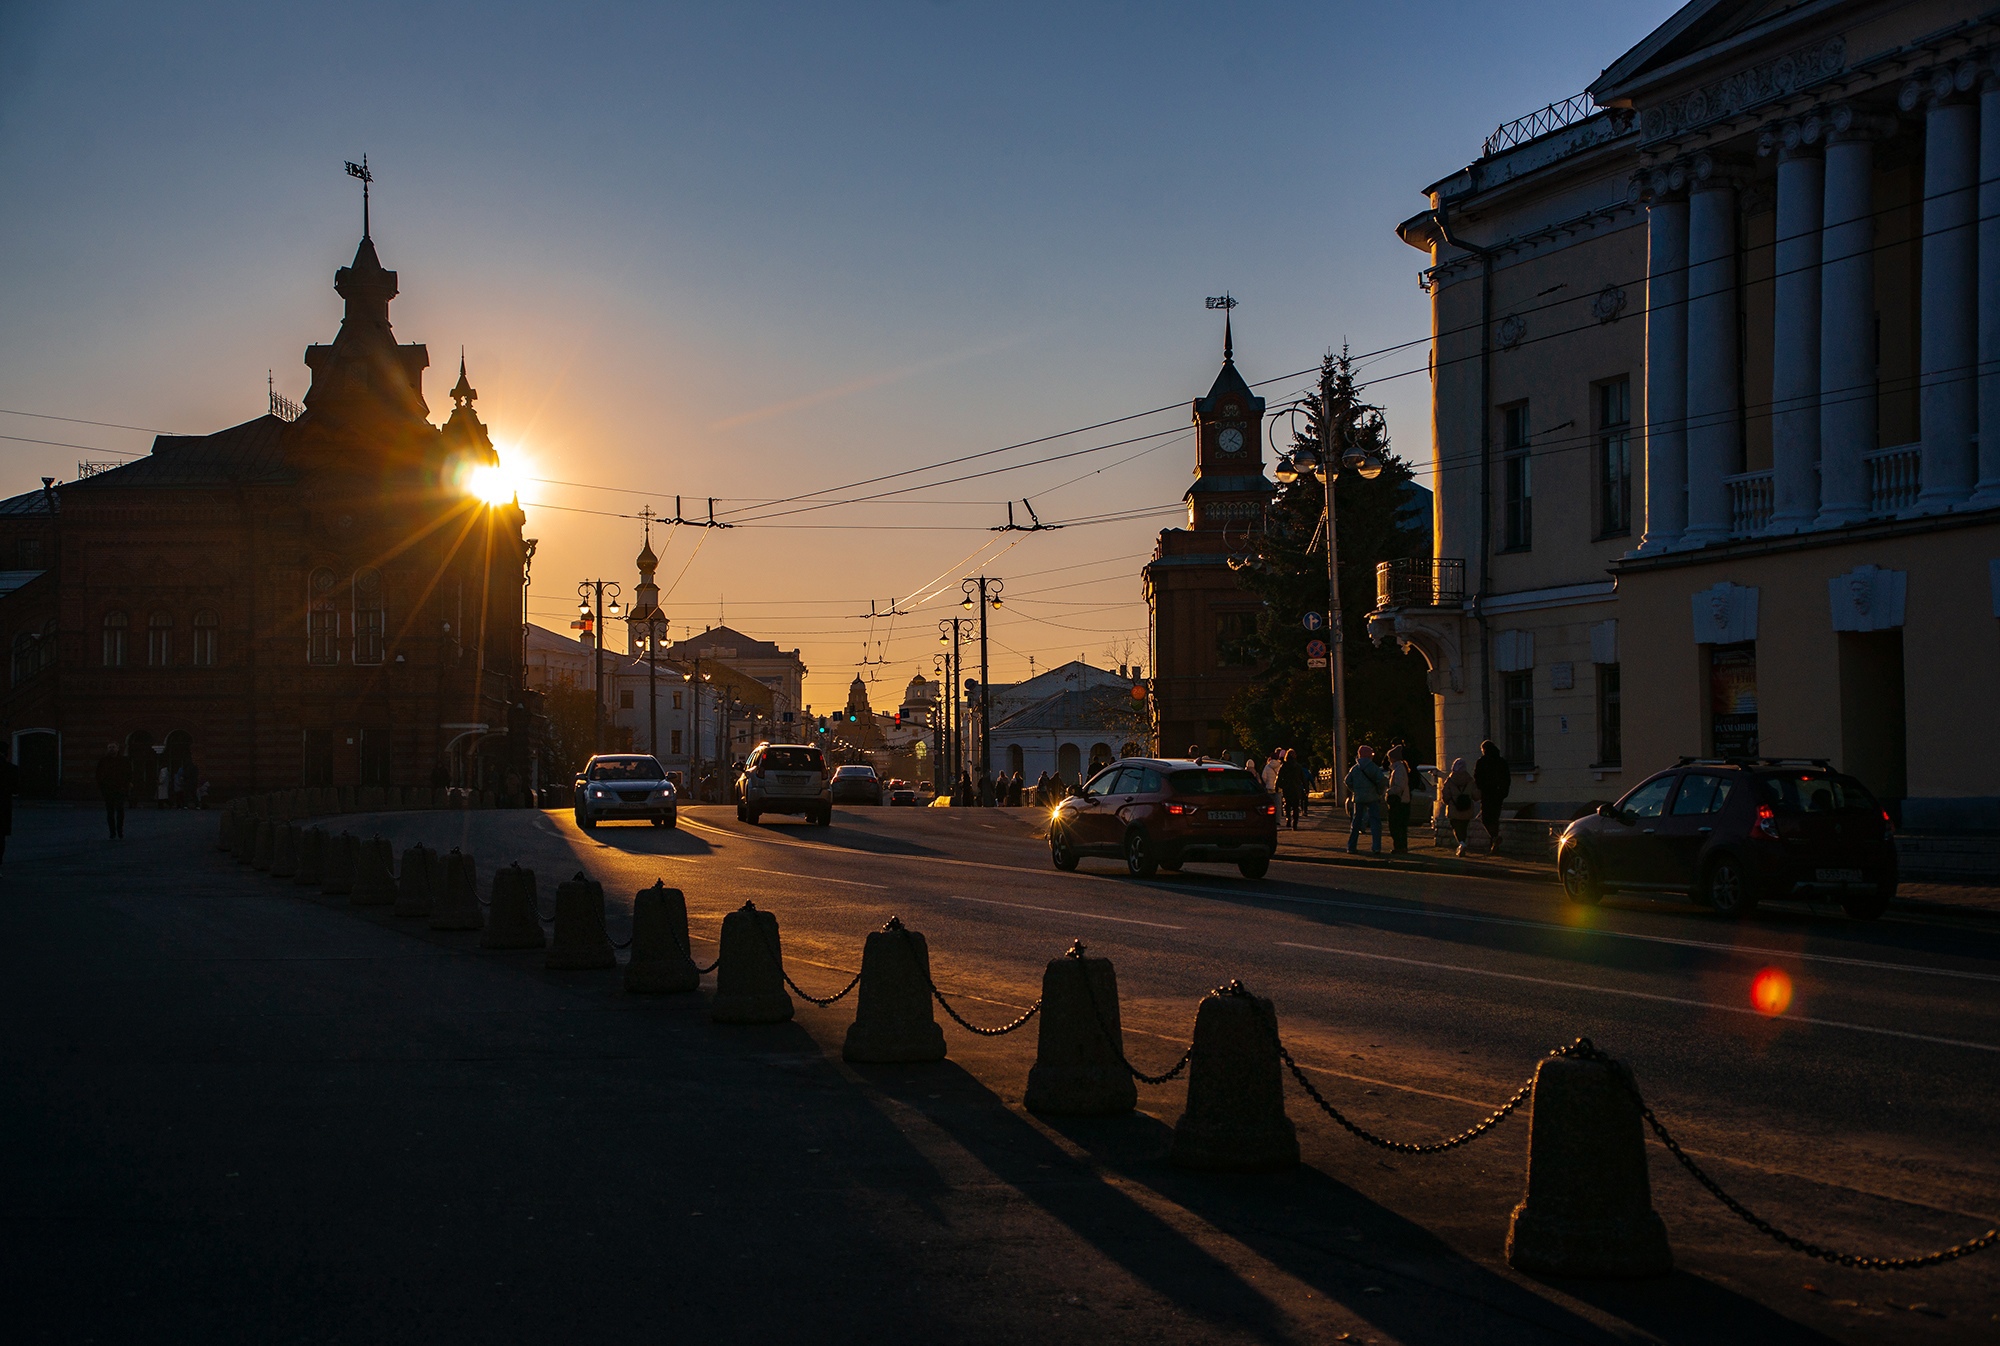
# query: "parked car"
[[1162, 813], [1730, 832], [856, 785], [784, 778], [628, 786]]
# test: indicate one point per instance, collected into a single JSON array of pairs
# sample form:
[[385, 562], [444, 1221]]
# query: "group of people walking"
[[1284, 777], [1391, 787], [1008, 790]]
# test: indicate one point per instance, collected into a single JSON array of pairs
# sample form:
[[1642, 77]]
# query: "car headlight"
[[597, 794]]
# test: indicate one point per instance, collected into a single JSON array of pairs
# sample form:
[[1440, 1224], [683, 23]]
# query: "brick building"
[[319, 599]]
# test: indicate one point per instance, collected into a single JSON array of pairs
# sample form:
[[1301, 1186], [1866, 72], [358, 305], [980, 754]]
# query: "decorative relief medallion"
[[1609, 304], [1513, 327], [1744, 89]]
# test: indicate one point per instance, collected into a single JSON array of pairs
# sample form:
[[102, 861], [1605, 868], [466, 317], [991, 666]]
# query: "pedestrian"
[[1015, 790], [1366, 785], [1269, 775], [163, 785], [114, 778], [985, 789], [1399, 801], [961, 793], [1042, 799], [1459, 805], [1492, 778], [9, 779], [1194, 752]]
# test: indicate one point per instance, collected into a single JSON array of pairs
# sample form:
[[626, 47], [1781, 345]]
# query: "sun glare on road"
[[1771, 992]]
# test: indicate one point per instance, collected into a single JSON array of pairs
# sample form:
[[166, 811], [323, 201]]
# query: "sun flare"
[[495, 483]]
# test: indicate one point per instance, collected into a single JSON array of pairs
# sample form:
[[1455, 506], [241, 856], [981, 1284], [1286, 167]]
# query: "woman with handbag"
[[1459, 805]]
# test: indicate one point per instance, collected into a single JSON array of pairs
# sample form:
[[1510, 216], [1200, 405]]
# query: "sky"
[[758, 252]]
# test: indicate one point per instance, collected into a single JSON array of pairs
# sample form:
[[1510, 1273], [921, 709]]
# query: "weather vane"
[[1222, 301], [360, 170]]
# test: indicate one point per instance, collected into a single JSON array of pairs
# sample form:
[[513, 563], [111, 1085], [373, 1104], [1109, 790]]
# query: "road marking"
[[1063, 911], [1640, 995], [812, 878], [1747, 950]]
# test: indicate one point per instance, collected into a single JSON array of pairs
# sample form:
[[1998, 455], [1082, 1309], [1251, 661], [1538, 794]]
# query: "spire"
[[463, 394], [1228, 342]]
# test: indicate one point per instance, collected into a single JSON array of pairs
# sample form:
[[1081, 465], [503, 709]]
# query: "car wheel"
[[1726, 887], [751, 815], [1060, 851], [1171, 863], [823, 817], [1254, 869], [1139, 858], [1579, 877], [585, 821], [1869, 906]]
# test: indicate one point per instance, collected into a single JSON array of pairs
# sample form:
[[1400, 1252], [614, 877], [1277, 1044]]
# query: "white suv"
[[785, 778], [625, 785]]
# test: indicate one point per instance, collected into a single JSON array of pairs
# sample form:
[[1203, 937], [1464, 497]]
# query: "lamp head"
[[1367, 464]]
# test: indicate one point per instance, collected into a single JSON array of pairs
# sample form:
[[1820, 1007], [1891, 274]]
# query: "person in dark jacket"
[[114, 778], [985, 789], [9, 779], [1492, 778]]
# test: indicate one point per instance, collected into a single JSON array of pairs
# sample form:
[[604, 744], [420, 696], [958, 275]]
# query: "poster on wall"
[[1732, 699]]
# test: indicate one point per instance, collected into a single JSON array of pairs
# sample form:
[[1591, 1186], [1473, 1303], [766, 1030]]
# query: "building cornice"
[[1879, 530]]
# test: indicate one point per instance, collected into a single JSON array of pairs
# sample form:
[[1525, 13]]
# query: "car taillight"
[[1270, 810], [1766, 825], [1888, 826], [1178, 809]]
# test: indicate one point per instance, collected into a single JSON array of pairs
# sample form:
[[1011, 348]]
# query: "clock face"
[[1230, 440]]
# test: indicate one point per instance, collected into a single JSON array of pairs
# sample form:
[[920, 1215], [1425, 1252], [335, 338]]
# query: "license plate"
[[1838, 875], [1227, 815]]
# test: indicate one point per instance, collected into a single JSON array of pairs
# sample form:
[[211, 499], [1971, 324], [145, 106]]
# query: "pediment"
[[1693, 28]]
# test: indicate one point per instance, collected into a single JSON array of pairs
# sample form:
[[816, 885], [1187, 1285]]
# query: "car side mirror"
[[1610, 811]]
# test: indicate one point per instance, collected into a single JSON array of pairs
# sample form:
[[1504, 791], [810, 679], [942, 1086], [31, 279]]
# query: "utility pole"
[[951, 631], [985, 591], [596, 614]]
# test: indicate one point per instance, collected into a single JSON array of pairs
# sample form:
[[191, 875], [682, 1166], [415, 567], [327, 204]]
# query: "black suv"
[[1729, 832]]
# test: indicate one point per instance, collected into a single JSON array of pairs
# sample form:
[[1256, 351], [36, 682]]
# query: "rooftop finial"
[[360, 170], [1225, 302]]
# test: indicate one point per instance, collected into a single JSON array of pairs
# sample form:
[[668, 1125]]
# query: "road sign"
[[1315, 663], [1315, 649], [1313, 621]]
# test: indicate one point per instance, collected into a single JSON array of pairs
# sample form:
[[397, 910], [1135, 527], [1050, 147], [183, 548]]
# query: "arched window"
[[116, 626], [322, 621], [207, 633], [160, 640], [369, 617], [1015, 758]]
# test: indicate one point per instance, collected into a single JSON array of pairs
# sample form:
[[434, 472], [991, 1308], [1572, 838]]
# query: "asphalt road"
[[1861, 1117]]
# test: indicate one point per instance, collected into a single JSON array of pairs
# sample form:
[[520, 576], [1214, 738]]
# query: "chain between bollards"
[[1582, 1047], [704, 971], [896, 923], [1076, 951], [796, 989]]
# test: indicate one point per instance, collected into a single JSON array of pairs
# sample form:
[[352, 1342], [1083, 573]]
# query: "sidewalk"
[[1322, 839]]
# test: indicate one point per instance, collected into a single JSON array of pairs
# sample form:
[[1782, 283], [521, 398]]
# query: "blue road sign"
[[1313, 621]]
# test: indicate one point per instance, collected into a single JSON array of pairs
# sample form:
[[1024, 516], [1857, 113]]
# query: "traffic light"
[[822, 724], [852, 717], [899, 719]]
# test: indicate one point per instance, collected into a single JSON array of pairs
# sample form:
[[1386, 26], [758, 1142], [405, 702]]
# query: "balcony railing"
[[1419, 582], [1895, 477], [1749, 503], [1540, 122]]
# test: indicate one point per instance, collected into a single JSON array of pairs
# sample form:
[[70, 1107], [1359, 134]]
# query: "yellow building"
[[1716, 413]]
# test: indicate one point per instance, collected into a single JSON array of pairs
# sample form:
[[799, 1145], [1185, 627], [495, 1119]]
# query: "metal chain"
[[1494, 1119], [896, 923], [1583, 1048], [625, 943], [704, 971], [1090, 992], [779, 960]]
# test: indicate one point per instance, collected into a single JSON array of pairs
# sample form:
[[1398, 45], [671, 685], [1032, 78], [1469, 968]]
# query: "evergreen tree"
[[1290, 705]]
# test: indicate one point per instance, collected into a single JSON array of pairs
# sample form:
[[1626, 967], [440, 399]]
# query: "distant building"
[[780, 670], [1068, 721], [303, 599], [1196, 605]]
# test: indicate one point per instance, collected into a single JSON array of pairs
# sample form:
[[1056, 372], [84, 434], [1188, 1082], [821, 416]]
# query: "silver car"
[[630, 786], [785, 778]]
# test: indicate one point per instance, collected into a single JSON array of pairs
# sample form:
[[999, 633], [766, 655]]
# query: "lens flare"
[[1771, 992], [494, 483]]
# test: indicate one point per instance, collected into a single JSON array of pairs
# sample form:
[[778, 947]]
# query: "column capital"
[[1715, 172], [1940, 85], [1797, 138], [1659, 183], [1845, 121]]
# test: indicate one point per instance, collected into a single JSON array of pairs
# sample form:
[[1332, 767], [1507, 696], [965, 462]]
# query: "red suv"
[[1728, 832], [1161, 813]]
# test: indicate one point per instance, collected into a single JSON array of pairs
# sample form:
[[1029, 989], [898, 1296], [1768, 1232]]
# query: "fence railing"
[[1540, 122], [1419, 582], [1750, 501], [1895, 477]]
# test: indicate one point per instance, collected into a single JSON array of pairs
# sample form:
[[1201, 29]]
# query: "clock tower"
[[1197, 607]]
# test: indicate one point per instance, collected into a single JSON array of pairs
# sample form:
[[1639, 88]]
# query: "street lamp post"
[[650, 642], [951, 631], [985, 590], [596, 613], [941, 724], [1326, 466]]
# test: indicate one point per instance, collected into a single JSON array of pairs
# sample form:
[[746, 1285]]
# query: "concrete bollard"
[[455, 905], [580, 942], [513, 920], [1079, 1065], [260, 845], [662, 961], [892, 1019], [285, 851], [312, 858], [374, 874], [1235, 1117], [225, 829], [242, 836], [417, 881], [337, 872], [1589, 1205], [750, 979]]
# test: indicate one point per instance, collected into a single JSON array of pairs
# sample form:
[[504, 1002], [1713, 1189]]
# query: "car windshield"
[[792, 759], [850, 772], [626, 768], [1815, 792], [1216, 780]]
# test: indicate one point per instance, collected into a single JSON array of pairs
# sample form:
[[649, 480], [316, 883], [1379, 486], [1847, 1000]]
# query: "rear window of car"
[[626, 768], [792, 759], [1216, 781], [1815, 792], [850, 772]]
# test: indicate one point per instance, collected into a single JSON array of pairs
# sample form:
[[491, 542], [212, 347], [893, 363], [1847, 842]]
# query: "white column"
[[1947, 396], [1795, 331], [1666, 367], [1847, 321], [1986, 492], [1714, 438]]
